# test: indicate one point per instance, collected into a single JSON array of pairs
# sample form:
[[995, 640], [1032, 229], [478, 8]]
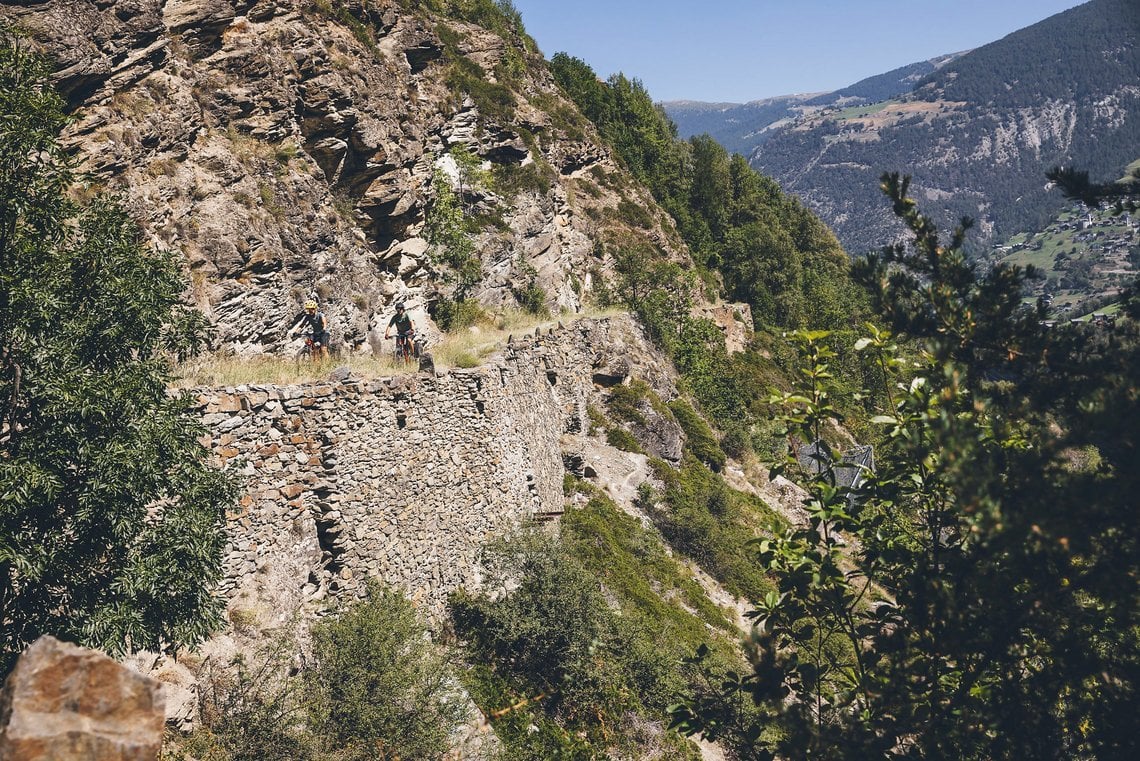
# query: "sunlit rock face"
[[286, 149]]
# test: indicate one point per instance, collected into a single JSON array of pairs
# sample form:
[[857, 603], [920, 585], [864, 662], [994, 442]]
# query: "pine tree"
[[977, 598]]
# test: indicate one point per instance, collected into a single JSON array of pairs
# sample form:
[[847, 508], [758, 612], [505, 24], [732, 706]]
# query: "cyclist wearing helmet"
[[405, 331], [315, 324]]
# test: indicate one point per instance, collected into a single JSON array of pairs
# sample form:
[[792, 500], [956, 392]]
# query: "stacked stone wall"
[[406, 479]]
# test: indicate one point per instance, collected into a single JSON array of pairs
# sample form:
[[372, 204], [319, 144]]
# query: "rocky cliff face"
[[287, 148]]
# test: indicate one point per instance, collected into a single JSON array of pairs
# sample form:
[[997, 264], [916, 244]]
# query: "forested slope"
[[978, 134]]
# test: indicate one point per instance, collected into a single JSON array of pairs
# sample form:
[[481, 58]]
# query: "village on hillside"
[[1085, 257]]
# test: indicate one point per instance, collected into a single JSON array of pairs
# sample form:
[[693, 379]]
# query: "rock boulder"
[[67, 703]]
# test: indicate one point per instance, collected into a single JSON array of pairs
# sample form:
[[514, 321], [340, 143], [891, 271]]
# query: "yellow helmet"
[[310, 304]]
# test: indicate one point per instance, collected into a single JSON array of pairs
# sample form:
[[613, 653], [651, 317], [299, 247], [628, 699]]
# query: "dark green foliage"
[[531, 296], [987, 607], [111, 520], [626, 402], [634, 214], [445, 229], [622, 439], [751, 242], [511, 179], [1076, 185], [546, 629], [532, 299], [632, 563], [1085, 39], [495, 101], [736, 442], [250, 711], [713, 524], [627, 118], [452, 315], [700, 439], [374, 688], [772, 252], [662, 295], [589, 648], [598, 420], [713, 377], [526, 731], [377, 688], [553, 636]]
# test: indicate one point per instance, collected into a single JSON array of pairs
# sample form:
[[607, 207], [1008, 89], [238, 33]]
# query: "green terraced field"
[[1130, 169], [859, 112]]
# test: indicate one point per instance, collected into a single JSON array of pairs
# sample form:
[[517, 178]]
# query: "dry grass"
[[466, 348], [216, 370]]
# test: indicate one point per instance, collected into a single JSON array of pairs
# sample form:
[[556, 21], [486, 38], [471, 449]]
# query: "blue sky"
[[740, 50]]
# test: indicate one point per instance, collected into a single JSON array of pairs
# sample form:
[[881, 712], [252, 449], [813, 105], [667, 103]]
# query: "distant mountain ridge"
[[977, 133], [741, 127], [896, 81]]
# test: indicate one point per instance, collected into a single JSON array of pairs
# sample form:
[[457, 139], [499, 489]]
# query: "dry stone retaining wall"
[[406, 478]]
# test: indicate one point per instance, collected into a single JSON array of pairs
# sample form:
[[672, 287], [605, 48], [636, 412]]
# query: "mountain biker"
[[316, 325], [405, 330]]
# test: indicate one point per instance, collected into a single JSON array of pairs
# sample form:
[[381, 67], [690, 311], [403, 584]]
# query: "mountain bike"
[[406, 349]]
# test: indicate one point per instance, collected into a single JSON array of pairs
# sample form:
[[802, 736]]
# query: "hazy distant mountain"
[[740, 127]]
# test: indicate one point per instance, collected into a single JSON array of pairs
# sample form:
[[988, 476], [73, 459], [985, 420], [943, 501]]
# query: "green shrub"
[[624, 402], [769, 439], [526, 730], [597, 419], [569, 669], [633, 563], [548, 630], [445, 227], [634, 214], [251, 711], [378, 688], [466, 360], [511, 179], [620, 438], [736, 443], [530, 296], [532, 299], [701, 439], [452, 315], [494, 101], [702, 517]]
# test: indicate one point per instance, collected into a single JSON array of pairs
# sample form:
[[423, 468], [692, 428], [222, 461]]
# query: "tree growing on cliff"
[[451, 246], [111, 520]]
